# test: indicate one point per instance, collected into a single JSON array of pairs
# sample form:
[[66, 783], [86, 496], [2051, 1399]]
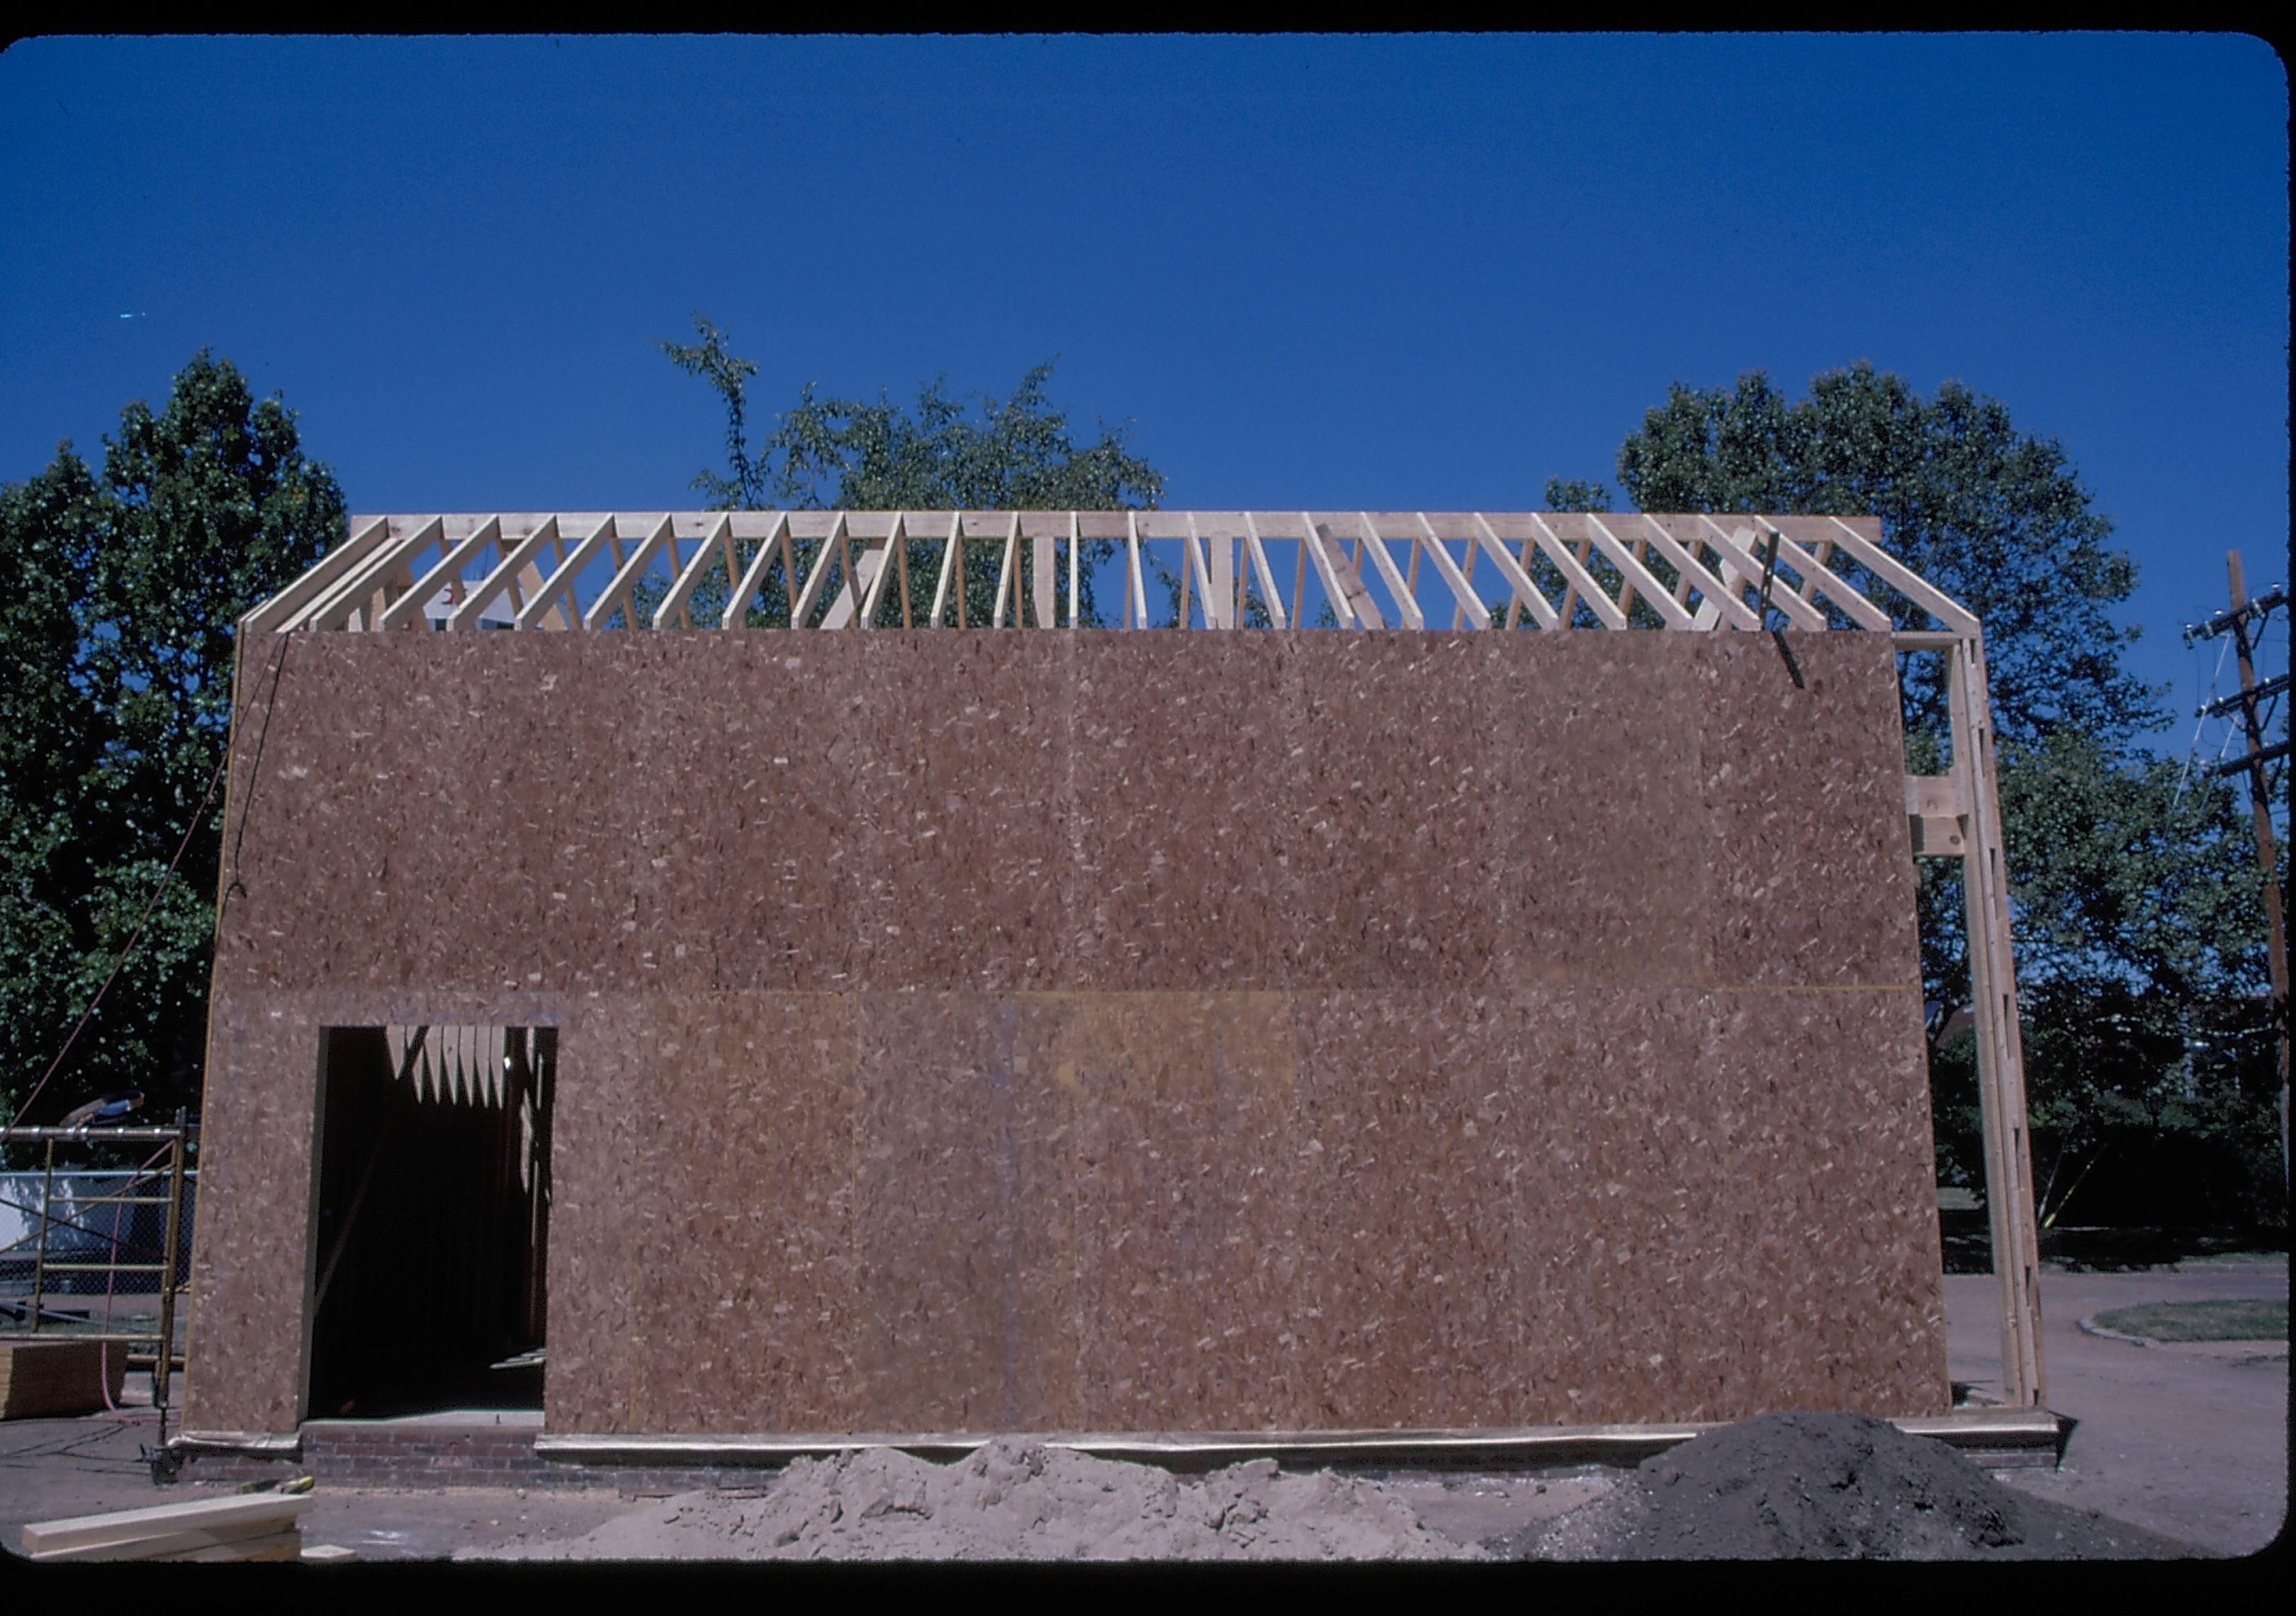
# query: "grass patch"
[[2202, 1321]]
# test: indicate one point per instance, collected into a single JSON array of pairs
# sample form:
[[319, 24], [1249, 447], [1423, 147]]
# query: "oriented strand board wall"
[[1123, 1032]]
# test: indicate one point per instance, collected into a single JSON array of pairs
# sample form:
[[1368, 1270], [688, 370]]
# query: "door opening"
[[429, 1233]]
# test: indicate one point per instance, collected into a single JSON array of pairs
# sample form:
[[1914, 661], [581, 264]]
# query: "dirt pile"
[[1013, 1500], [1793, 1486], [1825, 1487]]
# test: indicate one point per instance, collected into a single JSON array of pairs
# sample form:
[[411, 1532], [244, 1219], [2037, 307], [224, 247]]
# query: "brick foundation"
[[433, 1457]]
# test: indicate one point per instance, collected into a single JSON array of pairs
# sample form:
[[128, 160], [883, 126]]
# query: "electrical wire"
[[111, 1285], [2200, 720]]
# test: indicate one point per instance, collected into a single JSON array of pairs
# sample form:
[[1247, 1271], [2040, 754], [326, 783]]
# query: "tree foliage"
[[2141, 967], [2137, 910], [1017, 455], [118, 598], [1995, 517], [1572, 494]]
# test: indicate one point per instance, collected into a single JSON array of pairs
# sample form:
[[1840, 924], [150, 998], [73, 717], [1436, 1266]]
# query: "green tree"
[[2137, 921], [846, 454], [1571, 493], [1994, 517], [118, 602], [2140, 954]]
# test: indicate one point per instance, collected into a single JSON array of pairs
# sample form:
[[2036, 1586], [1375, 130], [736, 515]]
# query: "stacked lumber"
[[257, 1526], [40, 1379]]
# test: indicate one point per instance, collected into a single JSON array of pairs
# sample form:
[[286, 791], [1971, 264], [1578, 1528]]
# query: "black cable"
[[254, 765], [1769, 573]]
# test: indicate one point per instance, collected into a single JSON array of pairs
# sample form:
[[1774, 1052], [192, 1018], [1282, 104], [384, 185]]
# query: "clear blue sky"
[[1376, 273]]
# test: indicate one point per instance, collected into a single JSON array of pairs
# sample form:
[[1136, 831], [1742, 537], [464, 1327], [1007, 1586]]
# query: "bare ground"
[[2187, 1446]]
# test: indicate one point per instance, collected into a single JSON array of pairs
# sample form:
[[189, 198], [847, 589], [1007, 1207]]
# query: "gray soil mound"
[[1825, 1487], [1013, 1500]]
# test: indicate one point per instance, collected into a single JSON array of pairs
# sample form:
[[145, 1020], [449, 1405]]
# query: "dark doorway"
[[430, 1242]]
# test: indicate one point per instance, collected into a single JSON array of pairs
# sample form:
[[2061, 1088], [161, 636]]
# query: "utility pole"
[[2244, 619]]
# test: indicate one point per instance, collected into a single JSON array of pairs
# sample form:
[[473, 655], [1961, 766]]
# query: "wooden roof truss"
[[1464, 571]]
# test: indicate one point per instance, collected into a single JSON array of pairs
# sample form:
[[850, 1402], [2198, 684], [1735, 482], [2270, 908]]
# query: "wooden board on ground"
[[279, 1545], [44, 1379], [257, 1526]]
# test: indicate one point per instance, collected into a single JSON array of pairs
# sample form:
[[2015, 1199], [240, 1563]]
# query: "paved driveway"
[[2191, 1442]]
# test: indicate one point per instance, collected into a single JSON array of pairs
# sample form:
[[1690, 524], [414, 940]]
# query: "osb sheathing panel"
[[1122, 1031]]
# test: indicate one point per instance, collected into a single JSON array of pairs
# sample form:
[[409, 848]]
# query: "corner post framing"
[[2000, 1050]]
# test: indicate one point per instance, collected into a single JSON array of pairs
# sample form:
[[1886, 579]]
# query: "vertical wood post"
[[1044, 581], [1219, 580], [2000, 1051]]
